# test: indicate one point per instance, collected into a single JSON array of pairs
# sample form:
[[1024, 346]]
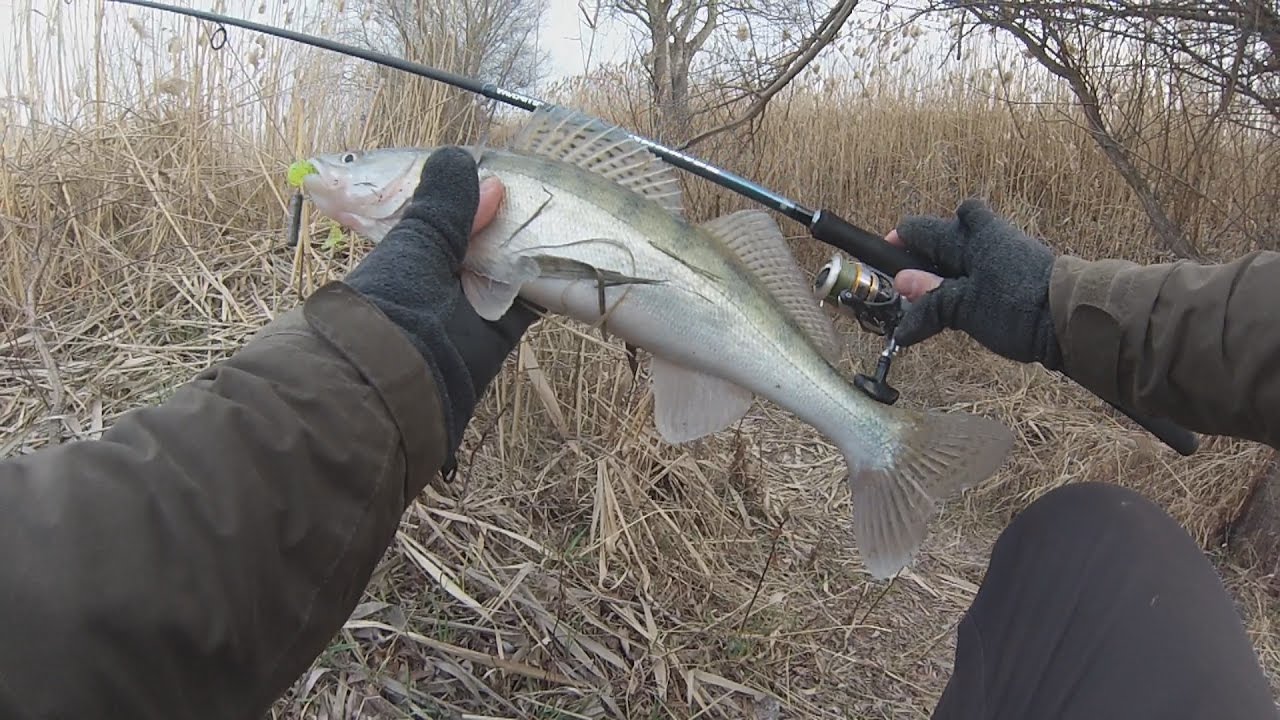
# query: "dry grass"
[[580, 567]]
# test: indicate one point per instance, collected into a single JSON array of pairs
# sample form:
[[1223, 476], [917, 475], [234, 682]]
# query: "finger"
[[893, 239], [518, 319], [990, 231], [935, 239], [484, 345], [448, 194], [974, 214], [913, 284], [492, 192], [934, 312]]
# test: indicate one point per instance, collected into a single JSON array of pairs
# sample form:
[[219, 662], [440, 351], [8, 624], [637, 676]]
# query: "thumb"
[[932, 313], [447, 196], [974, 214]]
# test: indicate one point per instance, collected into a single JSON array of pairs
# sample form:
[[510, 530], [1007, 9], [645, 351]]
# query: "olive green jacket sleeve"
[[1198, 344], [196, 559]]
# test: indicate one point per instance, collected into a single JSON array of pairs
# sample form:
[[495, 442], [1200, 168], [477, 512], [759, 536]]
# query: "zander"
[[592, 227]]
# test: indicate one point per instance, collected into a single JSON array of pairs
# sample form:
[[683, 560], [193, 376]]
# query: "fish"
[[593, 227]]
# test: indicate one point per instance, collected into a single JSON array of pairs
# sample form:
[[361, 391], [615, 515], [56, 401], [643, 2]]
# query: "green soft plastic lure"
[[300, 170]]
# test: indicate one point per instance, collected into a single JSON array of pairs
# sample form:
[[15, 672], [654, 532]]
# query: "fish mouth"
[[300, 171], [311, 177], [351, 196], [323, 188]]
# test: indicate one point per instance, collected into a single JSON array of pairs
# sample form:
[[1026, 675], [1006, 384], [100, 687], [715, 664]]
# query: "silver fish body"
[[591, 228]]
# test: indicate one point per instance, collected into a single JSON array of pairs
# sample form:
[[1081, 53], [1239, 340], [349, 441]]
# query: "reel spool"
[[867, 294], [860, 291]]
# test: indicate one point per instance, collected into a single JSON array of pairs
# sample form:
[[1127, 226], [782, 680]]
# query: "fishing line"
[[874, 259]]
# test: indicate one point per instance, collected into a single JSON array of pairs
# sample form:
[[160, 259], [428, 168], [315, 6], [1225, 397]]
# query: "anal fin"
[[688, 404], [754, 237]]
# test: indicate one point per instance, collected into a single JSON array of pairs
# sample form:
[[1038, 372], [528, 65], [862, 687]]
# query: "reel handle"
[[865, 246], [890, 259]]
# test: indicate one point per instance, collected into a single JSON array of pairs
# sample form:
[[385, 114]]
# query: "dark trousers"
[[1097, 604]]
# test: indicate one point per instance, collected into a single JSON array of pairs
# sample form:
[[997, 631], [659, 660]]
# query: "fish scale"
[[721, 307]]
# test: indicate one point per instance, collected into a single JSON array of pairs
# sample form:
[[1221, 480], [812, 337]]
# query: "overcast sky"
[[565, 37], [568, 40]]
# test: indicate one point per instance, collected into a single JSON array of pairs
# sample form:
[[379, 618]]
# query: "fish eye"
[[349, 158]]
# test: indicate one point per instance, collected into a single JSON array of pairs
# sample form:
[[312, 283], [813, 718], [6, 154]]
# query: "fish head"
[[365, 190]]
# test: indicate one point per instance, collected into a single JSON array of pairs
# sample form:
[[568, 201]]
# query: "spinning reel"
[[866, 294]]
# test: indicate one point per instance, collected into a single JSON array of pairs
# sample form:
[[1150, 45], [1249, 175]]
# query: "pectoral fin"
[[688, 404], [561, 268], [493, 284], [492, 289]]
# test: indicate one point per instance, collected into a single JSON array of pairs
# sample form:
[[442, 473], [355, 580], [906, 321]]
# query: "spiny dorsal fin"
[[592, 144], [755, 238]]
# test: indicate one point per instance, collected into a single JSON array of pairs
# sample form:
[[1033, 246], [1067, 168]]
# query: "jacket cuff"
[[1094, 305], [396, 370]]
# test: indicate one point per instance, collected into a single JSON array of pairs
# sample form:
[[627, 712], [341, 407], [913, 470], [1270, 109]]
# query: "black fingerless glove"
[[412, 276], [995, 286]]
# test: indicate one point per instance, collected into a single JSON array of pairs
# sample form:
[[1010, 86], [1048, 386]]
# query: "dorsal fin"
[[755, 238], [607, 150]]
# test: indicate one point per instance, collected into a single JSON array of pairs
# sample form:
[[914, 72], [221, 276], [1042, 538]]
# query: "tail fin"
[[939, 456]]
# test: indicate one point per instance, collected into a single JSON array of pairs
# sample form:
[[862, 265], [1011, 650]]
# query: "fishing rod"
[[861, 286], [823, 224]]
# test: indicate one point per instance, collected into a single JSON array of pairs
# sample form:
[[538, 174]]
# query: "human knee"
[[1083, 509], [1093, 498]]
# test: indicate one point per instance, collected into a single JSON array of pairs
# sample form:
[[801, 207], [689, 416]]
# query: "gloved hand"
[[997, 289], [412, 276]]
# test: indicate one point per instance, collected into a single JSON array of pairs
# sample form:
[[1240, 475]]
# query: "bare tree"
[[495, 40], [1228, 46], [1142, 72], [738, 53], [491, 40], [1216, 58]]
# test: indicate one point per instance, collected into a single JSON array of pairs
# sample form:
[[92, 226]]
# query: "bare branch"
[[758, 45], [792, 67], [1211, 62]]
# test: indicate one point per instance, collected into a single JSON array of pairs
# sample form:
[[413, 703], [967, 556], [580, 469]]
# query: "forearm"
[[1196, 344], [194, 561]]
